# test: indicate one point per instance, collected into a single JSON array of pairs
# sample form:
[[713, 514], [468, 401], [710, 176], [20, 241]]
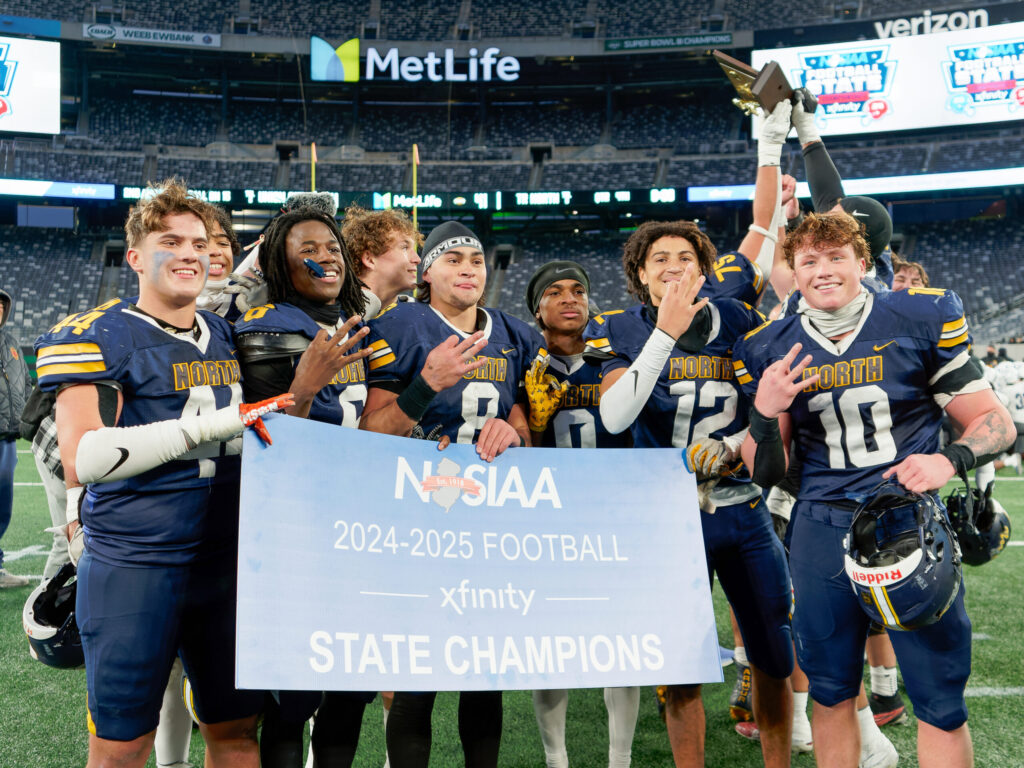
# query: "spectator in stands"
[[908, 274], [15, 388]]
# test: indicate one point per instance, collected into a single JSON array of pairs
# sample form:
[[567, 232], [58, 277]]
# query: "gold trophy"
[[762, 89]]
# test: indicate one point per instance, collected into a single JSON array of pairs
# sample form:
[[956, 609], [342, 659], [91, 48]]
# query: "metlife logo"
[[341, 64]]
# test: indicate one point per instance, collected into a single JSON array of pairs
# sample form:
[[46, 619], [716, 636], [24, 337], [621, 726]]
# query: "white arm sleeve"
[[117, 453], [624, 400], [766, 255]]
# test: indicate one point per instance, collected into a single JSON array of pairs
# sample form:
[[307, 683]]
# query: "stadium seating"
[[563, 124], [652, 17], [299, 18], [113, 168], [264, 122], [423, 20], [687, 126], [128, 123], [500, 18], [466, 178], [1005, 152], [980, 260], [349, 176], [49, 274], [218, 173], [628, 175], [775, 14], [442, 133]]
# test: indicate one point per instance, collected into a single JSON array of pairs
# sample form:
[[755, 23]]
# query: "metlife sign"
[[342, 64]]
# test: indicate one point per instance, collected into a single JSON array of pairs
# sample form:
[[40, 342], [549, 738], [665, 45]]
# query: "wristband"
[[960, 456], [763, 429], [762, 231], [416, 398]]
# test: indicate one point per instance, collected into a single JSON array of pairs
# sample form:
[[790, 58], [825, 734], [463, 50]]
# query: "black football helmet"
[[908, 581], [980, 523], [49, 621]]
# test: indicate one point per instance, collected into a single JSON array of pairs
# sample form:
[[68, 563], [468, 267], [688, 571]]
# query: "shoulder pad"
[[264, 346], [601, 318]]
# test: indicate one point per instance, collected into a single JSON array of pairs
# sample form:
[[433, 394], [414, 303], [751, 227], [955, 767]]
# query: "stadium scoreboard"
[[969, 77]]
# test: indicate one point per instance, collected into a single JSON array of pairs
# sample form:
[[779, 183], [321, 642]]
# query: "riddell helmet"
[[49, 621], [909, 581], [980, 523]]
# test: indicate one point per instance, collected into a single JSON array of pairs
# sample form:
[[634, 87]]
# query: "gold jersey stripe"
[[84, 348], [375, 364], [953, 342], [56, 369]]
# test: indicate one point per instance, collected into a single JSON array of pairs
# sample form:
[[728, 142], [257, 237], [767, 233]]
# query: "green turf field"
[[42, 710]]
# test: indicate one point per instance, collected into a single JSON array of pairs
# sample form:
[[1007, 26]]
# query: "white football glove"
[[774, 131], [806, 130]]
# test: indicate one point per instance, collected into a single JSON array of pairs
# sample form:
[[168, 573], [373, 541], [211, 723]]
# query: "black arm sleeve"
[[822, 177], [266, 378], [770, 457], [769, 464]]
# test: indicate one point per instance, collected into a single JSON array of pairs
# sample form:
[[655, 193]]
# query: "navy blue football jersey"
[[577, 424], [402, 336], [881, 389], [161, 375], [340, 402], [734, 276], [697, 395]]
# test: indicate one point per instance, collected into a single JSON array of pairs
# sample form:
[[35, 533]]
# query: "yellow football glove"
[[545, 393], [710, 458]]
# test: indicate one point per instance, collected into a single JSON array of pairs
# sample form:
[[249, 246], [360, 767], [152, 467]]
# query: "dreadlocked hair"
[[274, 259], [638, 246]]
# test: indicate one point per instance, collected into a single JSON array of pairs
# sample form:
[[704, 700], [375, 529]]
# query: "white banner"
[[368, 562], [120, 34]]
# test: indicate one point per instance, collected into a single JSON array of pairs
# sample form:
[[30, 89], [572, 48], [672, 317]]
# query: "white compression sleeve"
[[117, 453], [766, 254], [624, 400]]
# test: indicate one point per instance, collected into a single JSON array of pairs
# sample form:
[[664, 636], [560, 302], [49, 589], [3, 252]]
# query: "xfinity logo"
[[929, 23], [328, 63]]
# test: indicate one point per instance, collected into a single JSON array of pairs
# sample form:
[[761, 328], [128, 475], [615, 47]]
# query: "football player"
[[446, 368], [827, 192], [383, 245], [909, 274], [223, 250], [304, 342], [148, 417], [558, 297], [667, 378], [739, 274], [864, 403]]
